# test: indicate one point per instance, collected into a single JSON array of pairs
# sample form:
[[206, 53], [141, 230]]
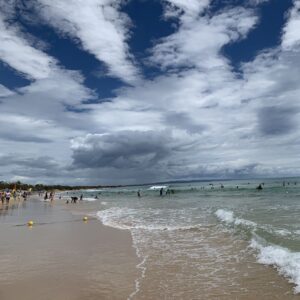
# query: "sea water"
[[210, 239]]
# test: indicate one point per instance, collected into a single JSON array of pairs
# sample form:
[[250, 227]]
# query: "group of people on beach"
[[74, 199], [50, 196], [7, 194]]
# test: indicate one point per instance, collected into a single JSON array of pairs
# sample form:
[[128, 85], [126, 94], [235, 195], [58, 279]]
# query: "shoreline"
[[64, 257]]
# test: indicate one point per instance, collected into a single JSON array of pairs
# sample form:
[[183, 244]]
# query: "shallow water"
[[203, 241]]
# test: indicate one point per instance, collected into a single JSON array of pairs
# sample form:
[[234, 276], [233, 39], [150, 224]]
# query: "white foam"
[[122, 218], [225, 215], [127, 219], [282, 232], [158, 187], [286, 262], [141, 266], [89, 199], [93, 190], [228, 217]]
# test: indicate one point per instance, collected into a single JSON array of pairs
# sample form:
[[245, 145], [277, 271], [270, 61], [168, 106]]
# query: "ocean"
[[209, 240]]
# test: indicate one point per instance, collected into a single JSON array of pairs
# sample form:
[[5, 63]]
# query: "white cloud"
[[100, 28], [36, 114], [189, 7], [198, 119], [4, 92], [198, 41], [226, 125], [291, 36], [17, 52]]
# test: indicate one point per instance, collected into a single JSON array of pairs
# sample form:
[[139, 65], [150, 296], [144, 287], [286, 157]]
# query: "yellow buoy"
[[85, 219], [30, 223]]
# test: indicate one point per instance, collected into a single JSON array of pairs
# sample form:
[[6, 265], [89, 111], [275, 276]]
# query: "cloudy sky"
[[133, 91]]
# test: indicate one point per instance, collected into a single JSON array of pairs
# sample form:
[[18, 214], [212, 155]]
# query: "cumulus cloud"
[[124, 149], [148, 154]]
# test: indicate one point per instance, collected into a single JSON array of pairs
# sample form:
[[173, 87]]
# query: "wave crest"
[[286, 262], [228, 217]]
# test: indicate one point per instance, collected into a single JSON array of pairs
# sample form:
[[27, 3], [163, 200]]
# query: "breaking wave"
[[286, 262], [229, 218]]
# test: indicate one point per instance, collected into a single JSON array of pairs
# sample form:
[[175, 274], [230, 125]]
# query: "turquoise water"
[[201, 226]]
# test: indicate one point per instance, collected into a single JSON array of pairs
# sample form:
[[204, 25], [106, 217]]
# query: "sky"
[[132, 91]]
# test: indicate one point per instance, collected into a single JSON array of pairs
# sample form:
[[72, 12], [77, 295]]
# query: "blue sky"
[[114, 91]]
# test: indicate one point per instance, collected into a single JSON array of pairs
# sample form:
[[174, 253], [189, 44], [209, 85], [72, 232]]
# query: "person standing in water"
[[139, 193], [259, 187], [161, 191]]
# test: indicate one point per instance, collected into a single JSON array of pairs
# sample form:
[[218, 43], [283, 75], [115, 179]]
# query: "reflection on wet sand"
[[61, 257]]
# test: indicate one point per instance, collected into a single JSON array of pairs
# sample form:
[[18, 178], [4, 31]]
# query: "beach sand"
[[65, 258]]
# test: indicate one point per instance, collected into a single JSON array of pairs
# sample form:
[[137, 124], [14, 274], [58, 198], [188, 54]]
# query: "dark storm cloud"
[[276, 120], [125, 149]]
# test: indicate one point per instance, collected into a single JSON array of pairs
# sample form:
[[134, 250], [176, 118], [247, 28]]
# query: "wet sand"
[[64, 258], [210, 274]]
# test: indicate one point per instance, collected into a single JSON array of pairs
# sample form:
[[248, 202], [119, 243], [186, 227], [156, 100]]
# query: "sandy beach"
[[61, 257]]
